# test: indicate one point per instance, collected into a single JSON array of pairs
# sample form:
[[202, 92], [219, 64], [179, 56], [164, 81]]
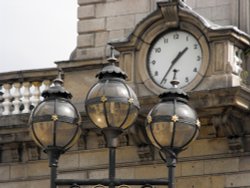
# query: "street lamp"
[[172, 125], [112, 106], [55, 124]]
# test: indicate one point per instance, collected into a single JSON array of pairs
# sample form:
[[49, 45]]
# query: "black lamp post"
[[113, 107], [55, 124], [172, 125]]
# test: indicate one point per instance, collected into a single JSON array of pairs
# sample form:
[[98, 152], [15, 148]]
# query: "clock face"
[[178, 50]]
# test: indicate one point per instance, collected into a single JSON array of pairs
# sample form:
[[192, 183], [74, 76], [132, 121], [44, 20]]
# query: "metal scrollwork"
[[147, 186], [74, 186], [124, 186], [98, 186]]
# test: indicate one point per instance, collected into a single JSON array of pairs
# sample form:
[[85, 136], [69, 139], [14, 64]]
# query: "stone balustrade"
[[20, 91]]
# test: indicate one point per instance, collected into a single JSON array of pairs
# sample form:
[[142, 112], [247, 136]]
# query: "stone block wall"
[[206, 164], [102, 21], [217, 11], [224, 12]]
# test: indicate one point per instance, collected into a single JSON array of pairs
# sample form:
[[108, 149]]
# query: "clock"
[[178, 50]]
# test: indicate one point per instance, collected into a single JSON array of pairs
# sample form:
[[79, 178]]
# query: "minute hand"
[[174, 62]]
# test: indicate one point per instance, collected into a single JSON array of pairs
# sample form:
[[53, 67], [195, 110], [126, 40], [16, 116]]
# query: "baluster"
[[36, 93], [46, 84], [7, 98], [26, 97], [1, 101], [17, 96]]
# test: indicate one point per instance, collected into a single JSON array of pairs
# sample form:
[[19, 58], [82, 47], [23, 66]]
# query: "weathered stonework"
[[220, 156], [114, 16]]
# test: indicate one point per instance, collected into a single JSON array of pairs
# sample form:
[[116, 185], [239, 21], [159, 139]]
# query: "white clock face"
[[178, 50]]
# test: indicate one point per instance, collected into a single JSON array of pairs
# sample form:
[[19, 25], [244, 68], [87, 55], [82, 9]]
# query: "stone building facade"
[[220, 157], [99, 22]]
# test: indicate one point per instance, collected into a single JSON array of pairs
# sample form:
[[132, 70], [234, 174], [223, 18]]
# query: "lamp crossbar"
[[114, 182]]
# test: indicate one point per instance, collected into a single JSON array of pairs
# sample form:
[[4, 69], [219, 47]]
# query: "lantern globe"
[[172, 125], [55, 122], [172, 131], [111, 103]]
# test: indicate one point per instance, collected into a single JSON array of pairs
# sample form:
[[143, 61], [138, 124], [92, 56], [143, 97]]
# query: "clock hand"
[[174, 62]]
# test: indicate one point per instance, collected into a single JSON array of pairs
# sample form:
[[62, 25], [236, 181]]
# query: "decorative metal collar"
[[112, 70], [57, 90]]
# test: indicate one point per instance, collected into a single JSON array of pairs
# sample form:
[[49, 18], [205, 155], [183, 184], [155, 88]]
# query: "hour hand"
[[179, 55]]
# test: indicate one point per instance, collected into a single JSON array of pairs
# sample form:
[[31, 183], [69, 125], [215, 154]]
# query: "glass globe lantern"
[[172, 124], [55, 122], [111, 104]]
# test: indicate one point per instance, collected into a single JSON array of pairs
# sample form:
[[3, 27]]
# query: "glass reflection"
[[44, 131], [184, 134], [116, 113], [65, 132], [163, 132], [96, 114]]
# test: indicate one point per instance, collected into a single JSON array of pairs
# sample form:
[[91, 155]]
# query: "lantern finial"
[[175, 82], [57, 90], [112, 70], [174, 92], [59, 81], [112, 59]]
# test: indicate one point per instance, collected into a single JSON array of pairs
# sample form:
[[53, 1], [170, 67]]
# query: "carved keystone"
[[170, 12]]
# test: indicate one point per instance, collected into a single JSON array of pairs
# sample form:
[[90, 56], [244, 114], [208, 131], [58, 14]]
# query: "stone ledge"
[[28, 75], [86, 2], [14, 121]]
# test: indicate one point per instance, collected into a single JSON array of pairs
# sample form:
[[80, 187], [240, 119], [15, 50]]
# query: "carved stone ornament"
[[170, 12], [231, 124], [225, 113], [228, 124]]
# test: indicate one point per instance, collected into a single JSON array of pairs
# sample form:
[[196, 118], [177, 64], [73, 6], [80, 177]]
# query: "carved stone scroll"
[[170, 12], [231, 125]]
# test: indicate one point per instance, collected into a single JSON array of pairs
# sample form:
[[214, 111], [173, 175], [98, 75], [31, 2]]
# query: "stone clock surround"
[[142, 67], [221, 48]]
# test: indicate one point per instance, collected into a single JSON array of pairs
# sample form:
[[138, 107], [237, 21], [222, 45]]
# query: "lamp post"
[[112, 106], [54, 124], [172, 125]]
